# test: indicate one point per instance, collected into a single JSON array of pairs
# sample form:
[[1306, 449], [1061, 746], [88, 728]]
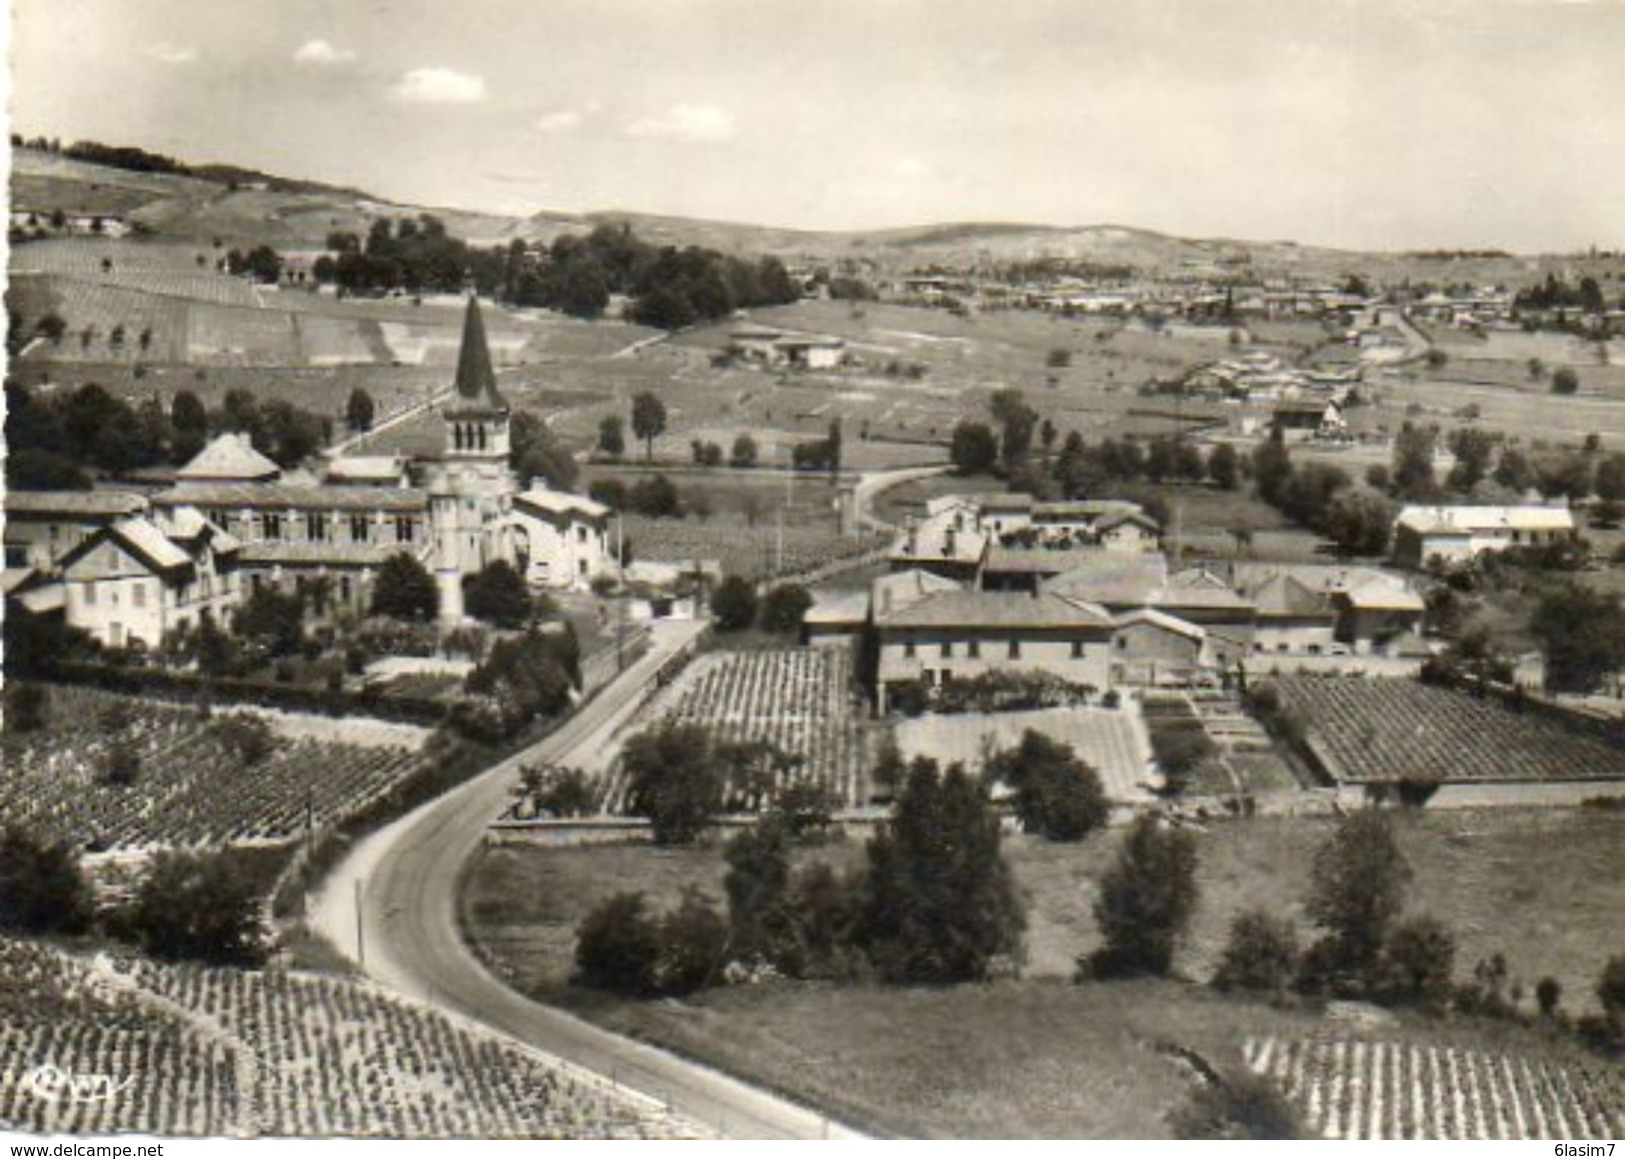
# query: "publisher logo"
[[55, 1085]]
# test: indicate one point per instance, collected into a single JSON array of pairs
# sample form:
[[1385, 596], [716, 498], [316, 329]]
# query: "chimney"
[[912, 543]]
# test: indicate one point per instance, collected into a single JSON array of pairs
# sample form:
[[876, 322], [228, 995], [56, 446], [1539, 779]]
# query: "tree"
[[1611, 987], [744, 453], [693, 941], [1224, 467], [1417, 963], [190, 423], [1413, 462], [618, 948], [672, 780], [201, 907], [1017, 422], [27, 708], [1610, 478], [404, 589], [756, 883], [1359, 523], [1565, 381], [1146, 901], [1272, 468], [497, 595], [783, 608], [974, 449], [271, 619], [648, 420], [358, 411], [522, 677], [733, 604], [612, 436], [249, 738], [535, 453], [1581, 633], [52, 327], [1261, 954], [1357, 889], [938, 903], [41, 887], [1057, 794]]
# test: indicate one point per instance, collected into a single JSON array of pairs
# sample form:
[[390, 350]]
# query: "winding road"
[[392, 906]]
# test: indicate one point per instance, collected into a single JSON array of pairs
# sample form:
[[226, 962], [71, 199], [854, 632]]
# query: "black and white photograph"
[[838, 570]]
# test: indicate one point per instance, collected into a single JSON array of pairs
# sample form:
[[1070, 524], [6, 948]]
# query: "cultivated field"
[[756, 552], [1112, 740], [191, 1052], [799, 699], [1350, 1088], [1390, 730], [188, 787]]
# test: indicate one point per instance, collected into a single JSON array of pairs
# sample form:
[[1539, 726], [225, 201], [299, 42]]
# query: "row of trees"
[[1323, 498], [59, 438]]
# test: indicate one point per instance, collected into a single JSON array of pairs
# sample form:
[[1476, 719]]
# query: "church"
[[330, 530]]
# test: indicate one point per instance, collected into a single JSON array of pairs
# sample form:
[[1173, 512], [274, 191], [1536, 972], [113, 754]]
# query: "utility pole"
[[360, 936], [778, 553]]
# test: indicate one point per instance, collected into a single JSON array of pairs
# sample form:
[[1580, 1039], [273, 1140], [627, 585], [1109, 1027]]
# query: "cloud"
[[687, 123], [323, 53], [559, 121], [165, 52], [438, 86]]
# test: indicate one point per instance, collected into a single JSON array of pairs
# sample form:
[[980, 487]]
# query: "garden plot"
[[1111, 740]]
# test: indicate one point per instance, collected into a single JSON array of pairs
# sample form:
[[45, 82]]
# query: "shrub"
[[1261, 954], [27, 708], [693, 939], [783, 607], [41, 888], [1565, 381], [248, 737], [1417, 963], [734, 604], [199, 907], [1242, 1105], [122, 766], [618, 948], [1057, 794]]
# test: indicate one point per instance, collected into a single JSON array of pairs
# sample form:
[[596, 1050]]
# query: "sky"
[[1370, 124]]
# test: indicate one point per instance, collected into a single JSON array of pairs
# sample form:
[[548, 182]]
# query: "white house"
[[139, 578], [560, 540], [1455, 534]]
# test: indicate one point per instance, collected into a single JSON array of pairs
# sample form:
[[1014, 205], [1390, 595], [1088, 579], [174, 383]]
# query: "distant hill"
[[242, 207]]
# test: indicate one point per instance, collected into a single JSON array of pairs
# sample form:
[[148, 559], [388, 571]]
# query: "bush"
[[734, 604], [1242, 1105], [199, 907], [1261, 954], [782, 609], [618, 948], [673, 780], [249, 737], [41, 888], [497, 595], [693, 939], [122, 766], [1417, 963], [27, 708], [1565, 381]]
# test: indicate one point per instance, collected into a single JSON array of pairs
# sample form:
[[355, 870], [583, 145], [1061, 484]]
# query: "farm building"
[[1151, 648], [1457, 534], [955, 635], [1309, 419], [771, 347]]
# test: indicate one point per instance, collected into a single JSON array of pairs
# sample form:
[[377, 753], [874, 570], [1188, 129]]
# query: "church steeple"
[[476, 381]]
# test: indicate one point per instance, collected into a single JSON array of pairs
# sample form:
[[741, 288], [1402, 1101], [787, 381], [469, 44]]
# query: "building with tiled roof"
[[1455, 534], [229, 458]]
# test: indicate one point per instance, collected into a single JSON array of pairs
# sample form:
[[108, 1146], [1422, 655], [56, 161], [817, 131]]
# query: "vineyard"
[[1355, 1089], [752, 552], [800, 700], [185, 1052], [187, 785], [1386, 730]]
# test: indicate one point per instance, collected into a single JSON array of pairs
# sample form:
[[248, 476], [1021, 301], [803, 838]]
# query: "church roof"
[[476, 381]]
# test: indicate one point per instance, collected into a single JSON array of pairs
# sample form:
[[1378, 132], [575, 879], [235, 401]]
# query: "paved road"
[[405, 878], [872, 484]]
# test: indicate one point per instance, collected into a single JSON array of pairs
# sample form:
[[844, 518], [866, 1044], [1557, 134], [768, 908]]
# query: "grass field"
[[1041, 1056]]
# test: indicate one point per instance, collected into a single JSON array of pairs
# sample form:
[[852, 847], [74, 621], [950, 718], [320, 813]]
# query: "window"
[[138, 594], [1122, 644], [316, 527], [271, 525], [360, 524], [90, 593], [973, 649], [344, 588], [1077, 649], [581, 535], [1015, 649], [405, 529], [908, 646], [947, 649]]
